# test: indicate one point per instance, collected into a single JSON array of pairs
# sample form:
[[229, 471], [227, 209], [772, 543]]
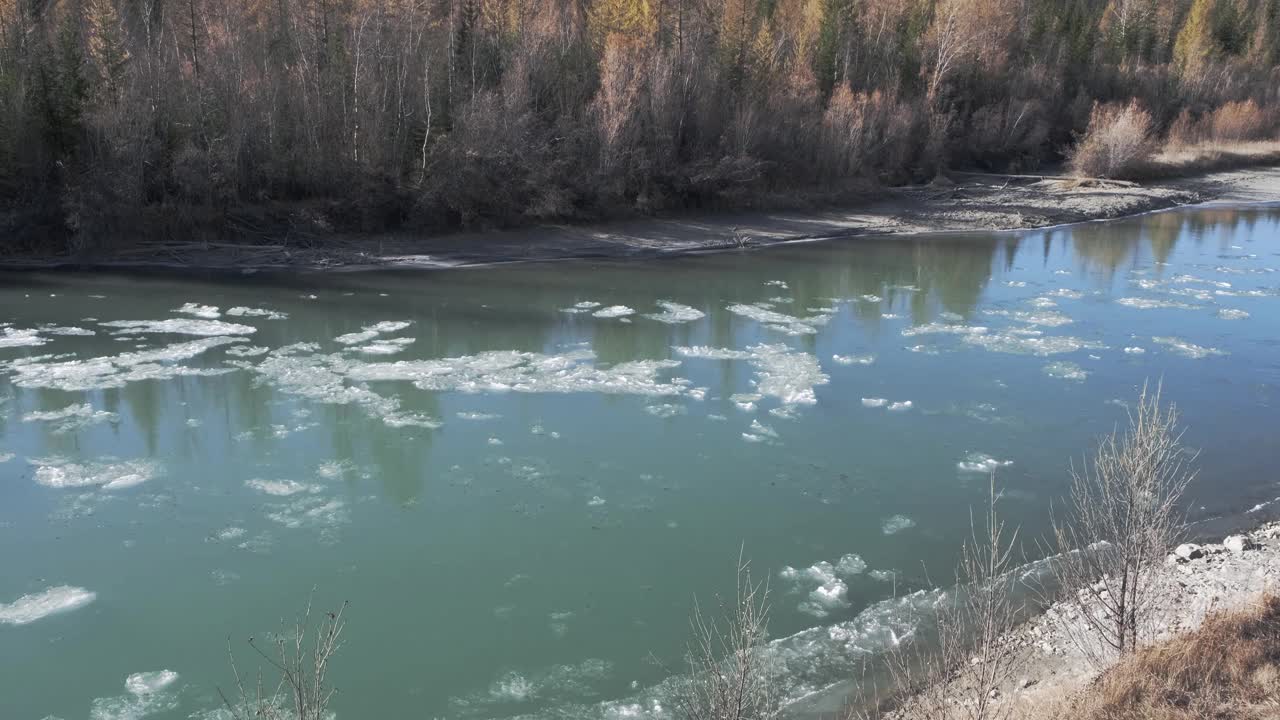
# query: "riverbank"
[[968, 203], [1053, 661]]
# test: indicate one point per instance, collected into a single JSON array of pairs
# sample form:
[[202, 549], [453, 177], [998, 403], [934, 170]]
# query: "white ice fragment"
[[240, 311], [477, 416], [1232, 314], [179, 326], [5, 457], [874, 402], [776, 283], [208, 312], [58, 472], [595, 501], [710, 353], [614, 311], [1187, 349], [388, 346], [372, 331], [781, 322], [674, 313], [870, 298], [759, 428], [896, 524], [900, 406], [854, 359], [1134, 350], [280, 488], [36, 606], [1015, 283], [72, 417], [1021, 344], [13, 337], [665, 410], [1043, 318], [976, 462], [1065, 371], [936, 328], [145, 683], [1066, 294], [1153, 304]]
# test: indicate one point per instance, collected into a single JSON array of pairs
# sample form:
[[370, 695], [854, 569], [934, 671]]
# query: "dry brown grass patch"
[[1229, 669]]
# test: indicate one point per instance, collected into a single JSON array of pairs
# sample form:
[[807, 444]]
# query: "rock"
[[1237, 543], [993, 694], [1188, 551], [1027, 682]]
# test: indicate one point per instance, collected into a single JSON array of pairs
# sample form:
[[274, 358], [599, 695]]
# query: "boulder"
[[1189, 551], [1237, 543]]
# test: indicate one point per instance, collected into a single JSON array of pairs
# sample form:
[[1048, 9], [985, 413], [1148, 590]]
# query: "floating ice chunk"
[[1015, 283], [753, 438], [247, 351], [870, 298], [595, 501], [66, 331], [477, 416], [674, 313], [896, 524], [57, 472], [1066, 294], [874, 402], [1134, 350], [710, 353], [1153, 304], [882, 575], [614, 311], [854, 359], [936, 328], [1019, 344], [208, 312], [746, 402], [408, 419], [1201, 281], [230, 533], [13, 337], [787, 324], [280, 488], [1042, 303], [666, 410], [72, 417], [1232, 314], [900, 406], [1061, 272], [183, 326], [389, 346], [240, 311], [776, 283], [1065, 371], [1046, 318], [759, 428], [310, 511], [1187, 349], [581, 307], [5, 457], [786, 412], [850, 565], [335, 469], [37, 606], [372, 331], [145, 683], [976, 462], [786, 374]]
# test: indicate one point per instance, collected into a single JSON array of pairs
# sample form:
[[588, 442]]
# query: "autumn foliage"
[[287, 119]]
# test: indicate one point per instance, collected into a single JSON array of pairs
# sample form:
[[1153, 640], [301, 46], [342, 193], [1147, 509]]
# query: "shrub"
[[1238, 121], [1116, 143]]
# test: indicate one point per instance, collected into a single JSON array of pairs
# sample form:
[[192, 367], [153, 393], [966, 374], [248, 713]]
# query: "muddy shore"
[[966, 203]]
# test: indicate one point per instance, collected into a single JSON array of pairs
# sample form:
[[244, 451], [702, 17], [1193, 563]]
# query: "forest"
[[270, 118]]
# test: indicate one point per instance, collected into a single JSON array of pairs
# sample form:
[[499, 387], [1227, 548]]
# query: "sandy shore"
[[969, 203]]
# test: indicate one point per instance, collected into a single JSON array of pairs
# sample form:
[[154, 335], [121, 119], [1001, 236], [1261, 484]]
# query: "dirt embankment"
[[968, 202]]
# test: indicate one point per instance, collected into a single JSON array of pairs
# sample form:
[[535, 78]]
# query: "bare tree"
[[730, 675], [962, 676], [1123, 516], [302, 690]]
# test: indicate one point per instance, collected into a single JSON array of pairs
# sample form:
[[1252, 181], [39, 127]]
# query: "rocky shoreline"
[[1195, 582]]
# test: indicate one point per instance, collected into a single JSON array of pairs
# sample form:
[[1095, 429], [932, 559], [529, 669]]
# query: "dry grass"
[[1117, 142], [1229, 669], [1210, 156]]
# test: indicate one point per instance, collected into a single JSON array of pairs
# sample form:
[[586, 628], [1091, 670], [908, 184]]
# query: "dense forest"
[[255, 117]]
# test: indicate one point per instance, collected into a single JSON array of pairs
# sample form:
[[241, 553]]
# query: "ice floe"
[[874, 402], [976, 462], [824, 584], [666, 410], [1232, 314], [280, 488], [937, 328], [14, 337], [1041, 318], [372, 331], [208, 312], [853, 359], [781, 322], [36, 606], [247, 351], [240, 311], [477, 416], [179, 326], [896, 524], [1020, 344], [709, 353], [6, 457], [145, 683], [73, 417], [1134, 350], [116, 370], [146, 694], [674, 313], [901, 406], [1065, 371], [1154, 304], [388, 346], [310, 511], [614, 311], [109, 474], [1187, 349], [582, 307]]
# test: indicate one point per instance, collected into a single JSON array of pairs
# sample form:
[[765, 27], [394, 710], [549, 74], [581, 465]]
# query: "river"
[[521, 476]]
